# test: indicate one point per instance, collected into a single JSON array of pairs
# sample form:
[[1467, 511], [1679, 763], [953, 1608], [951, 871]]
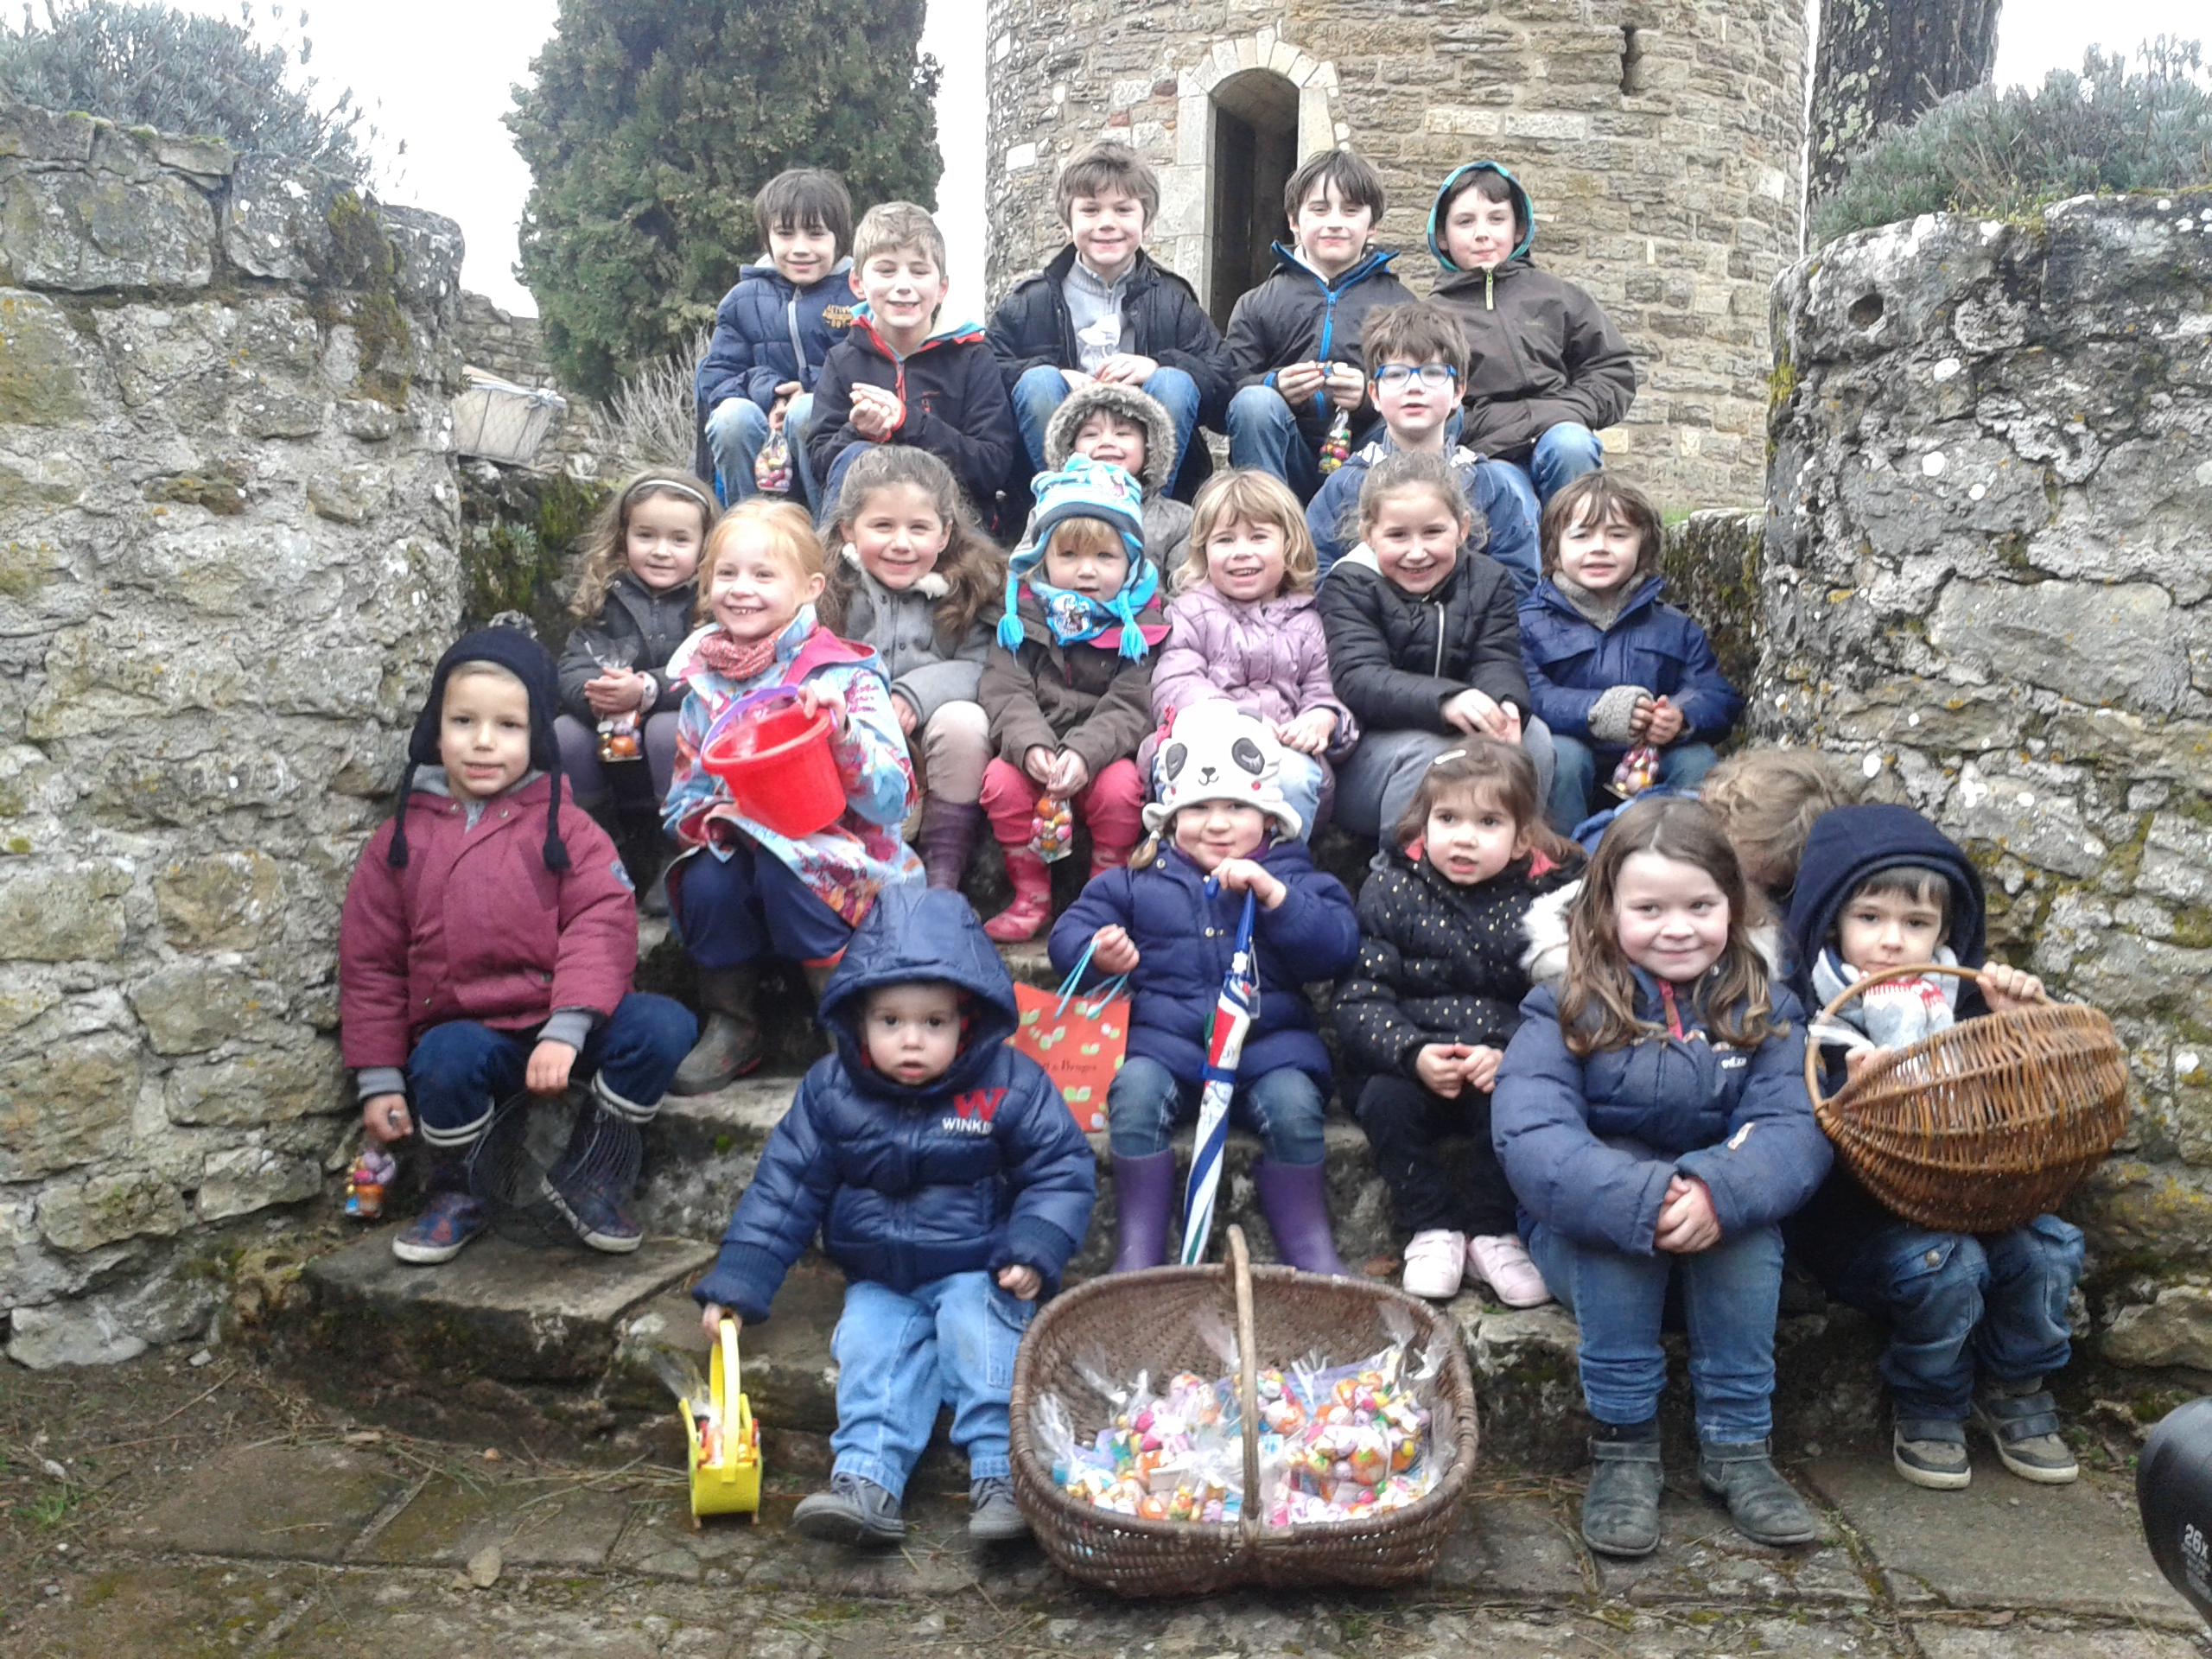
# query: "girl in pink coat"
[[1245, 630]]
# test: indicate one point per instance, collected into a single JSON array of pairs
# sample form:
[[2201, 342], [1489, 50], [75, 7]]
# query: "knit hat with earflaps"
[[1215, 751], [1139, 409], [528, 662], [1084, 489]]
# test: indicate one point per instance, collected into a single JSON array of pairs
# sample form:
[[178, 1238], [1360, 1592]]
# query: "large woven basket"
[[1150, 1321], [1985, 1126]]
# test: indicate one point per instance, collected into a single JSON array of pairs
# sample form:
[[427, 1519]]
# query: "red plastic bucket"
[[775, 759]]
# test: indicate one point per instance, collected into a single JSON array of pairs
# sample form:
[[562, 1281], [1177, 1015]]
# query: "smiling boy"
[[1103, 310], [1294, 341], [897, 377]]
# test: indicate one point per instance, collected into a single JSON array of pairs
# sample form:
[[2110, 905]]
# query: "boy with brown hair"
[[1103, 310]]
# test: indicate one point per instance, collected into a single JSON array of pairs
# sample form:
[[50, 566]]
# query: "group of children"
[[1447, 651]]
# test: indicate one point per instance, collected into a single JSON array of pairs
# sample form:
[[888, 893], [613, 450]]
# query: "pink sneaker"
[[1502, 1262], [1434, 1262]]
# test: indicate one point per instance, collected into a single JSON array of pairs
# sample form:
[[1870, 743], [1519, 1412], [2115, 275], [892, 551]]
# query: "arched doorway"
[[1255, 151]]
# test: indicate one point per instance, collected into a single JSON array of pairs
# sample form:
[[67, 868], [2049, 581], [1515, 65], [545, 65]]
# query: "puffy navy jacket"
[[1571, 663], [1184, 941], [769, 331], [1590, 1145], [982, 1169]]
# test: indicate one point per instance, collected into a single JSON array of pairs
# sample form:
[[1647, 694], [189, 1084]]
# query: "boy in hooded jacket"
[[1879, 888], [1548, 368], [951, 1183]]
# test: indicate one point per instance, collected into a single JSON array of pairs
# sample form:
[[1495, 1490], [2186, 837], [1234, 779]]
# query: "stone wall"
[[1987, 576], [228, 521], [507, 346], [1659, 139]]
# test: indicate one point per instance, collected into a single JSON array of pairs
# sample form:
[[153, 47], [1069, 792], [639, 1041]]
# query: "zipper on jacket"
[[1439, 674], [1490, 276], [798, 350]]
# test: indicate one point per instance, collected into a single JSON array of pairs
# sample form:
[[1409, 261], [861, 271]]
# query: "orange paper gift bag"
[[1080, 1041]]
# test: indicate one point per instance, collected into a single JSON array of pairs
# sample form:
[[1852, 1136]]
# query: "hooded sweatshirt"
[[1540, 352], [955, 403], [979, 1169]]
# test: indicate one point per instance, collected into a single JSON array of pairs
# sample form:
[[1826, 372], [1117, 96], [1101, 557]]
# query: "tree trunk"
[[1881, 62]]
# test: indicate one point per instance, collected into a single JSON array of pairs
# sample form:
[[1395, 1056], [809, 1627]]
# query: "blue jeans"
[[461, 1071], [1729, 1297], [1953, 1300], [736, 432], [1376, 784], [748, 906], [900, 1355], [1263, 434], [1283, 1107], [1040, 391], [1562, 455], [1301, 778], [1577, 764]]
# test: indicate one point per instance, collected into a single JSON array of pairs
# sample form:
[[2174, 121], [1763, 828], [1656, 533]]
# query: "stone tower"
[[1660, 139]]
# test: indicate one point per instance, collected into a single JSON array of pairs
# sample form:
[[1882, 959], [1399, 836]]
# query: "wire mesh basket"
[[538, 1147]]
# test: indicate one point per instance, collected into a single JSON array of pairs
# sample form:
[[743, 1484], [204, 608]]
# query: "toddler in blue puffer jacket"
[[947, 1180]]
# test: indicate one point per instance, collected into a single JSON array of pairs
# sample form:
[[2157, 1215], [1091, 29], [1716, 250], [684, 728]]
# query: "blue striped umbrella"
[[1232, 1018]]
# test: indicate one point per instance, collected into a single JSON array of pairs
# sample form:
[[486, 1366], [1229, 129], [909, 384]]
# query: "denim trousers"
[[1377, 784], [460, 1071], [1576, 764], [1283, 1107], [735, 434], [1263, 434], [597, 783], [1956, 1301], [1040, 391], [902, 1354], [1562, 455], [1730, 1293], [748, 906]]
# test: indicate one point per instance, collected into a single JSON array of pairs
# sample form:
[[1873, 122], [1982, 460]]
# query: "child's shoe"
[[946, 837], [1932, 1453], [992, 1516], [1033, 898], [1502, 1262], [2022, 1420], [1620, 1511], [448, 1221], [1764, 1507], [853, 1511], [1435, 1259], [594, 1209]]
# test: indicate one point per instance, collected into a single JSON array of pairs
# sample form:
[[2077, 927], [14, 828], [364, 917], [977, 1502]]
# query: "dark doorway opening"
[[1255, 152]]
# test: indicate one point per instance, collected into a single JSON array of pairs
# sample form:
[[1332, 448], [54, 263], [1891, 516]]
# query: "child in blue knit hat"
[[1068, 684]]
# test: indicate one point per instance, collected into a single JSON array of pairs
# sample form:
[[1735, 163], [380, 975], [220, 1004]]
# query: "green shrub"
[[2002, 154]]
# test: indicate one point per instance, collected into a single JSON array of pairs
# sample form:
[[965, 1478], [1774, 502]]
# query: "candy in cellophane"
[[1637, 772], [1336, 447], [772, 466], [366, 1182], [1051, 831]]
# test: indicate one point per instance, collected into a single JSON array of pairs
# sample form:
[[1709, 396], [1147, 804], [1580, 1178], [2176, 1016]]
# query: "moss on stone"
[[520, 546], [363, 264]]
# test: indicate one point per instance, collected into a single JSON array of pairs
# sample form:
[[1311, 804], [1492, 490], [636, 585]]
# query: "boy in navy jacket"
[[1881, 887], [773, 330], [949, 1182]]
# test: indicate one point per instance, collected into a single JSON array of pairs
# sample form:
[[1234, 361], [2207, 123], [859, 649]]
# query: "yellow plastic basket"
[[730, 1486]]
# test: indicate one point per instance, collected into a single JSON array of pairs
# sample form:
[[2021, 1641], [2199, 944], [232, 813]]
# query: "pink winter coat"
[[476, 927], [1268, 657]]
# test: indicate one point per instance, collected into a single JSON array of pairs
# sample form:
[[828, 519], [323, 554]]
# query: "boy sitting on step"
[[947, 1179]]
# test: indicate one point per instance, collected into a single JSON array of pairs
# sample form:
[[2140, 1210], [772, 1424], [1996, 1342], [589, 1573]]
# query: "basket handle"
[[1247, 1381], [732, 1389], [1865, 983]]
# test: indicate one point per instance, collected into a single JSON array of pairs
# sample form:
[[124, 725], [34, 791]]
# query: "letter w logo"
[[980, 1104]]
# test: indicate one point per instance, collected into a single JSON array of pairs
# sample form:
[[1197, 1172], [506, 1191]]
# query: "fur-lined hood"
[[1131, 405]]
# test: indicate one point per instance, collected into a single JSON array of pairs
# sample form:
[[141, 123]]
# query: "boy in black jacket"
[[897, 378], [1103, 310], [1880, 887]]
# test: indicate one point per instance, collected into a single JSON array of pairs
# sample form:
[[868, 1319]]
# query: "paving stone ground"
[[219, 1509]]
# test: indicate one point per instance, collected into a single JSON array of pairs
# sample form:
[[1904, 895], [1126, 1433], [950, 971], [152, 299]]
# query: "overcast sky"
[[440, 74]]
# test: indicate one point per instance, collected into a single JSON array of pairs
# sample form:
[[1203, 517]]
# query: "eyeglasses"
[[1391, 375]]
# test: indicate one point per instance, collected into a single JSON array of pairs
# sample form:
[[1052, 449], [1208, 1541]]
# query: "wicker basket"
[[1985, 1126], [1149, 1321]]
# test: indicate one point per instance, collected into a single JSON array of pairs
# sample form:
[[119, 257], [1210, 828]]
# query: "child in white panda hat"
[[1220, 828]]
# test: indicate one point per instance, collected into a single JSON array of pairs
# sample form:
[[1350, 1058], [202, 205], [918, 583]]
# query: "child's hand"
[[615, 692], [710, 1320], [1236, 874], [1481, 1068], [383, 1118], [1687, 1223], [1113, 950], [548, 1072], [784, 392], [1472, 711], [1127, 369], [876, 414], [1857, 1060], [2003, 987], [813, 697], [1020, 1282], [1077, 379], [1441, 1068], [1347, 385], [1310, 733], [909, 717], [1068, 775], [1299, 381], [1639, 719], [1666, 724], [1038, 763]]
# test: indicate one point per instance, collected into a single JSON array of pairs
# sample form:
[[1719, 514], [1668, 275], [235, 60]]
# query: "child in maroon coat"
[[478, 957]]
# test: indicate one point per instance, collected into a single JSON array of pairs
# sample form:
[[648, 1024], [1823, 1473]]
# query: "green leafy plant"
[[2003, 154]]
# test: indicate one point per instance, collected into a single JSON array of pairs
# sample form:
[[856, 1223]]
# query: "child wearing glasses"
[[1416, 357]]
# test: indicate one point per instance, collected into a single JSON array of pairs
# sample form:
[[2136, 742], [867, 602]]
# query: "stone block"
[[63, 909], [276, 222], [220, 901], [67, 1103], [70, 1333], [40, 379], [2090, 644], [190, 1008], [2176, 860], [31, 134], [263, 1086], [2175, 1329], [246, 1178], [82, 232], [108, 1208], [296, 1503]]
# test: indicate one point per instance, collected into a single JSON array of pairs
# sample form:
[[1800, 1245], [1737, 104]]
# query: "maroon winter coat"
[[476, 927]]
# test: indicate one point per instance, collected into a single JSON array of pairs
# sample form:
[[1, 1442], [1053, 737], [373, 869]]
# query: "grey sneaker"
[[1931, 1452], [992, 1516], [853, 1511], [2022, 1420]]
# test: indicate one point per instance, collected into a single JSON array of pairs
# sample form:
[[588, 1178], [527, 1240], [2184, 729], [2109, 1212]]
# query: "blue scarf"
[[1074, 618]]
